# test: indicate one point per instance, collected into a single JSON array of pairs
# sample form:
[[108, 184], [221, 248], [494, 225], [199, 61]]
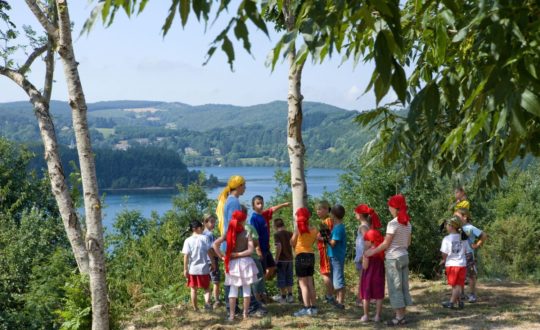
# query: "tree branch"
[[42, 18], [49, 71], [21, 81], [35, 54]]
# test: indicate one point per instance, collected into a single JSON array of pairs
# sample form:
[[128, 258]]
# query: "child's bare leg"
[[365, 303], [304, 287], [312, 295], [340, 295], [288, 290], [207, 296], [456, 292], [216, 292], [194, 298], [472, 284], [378, 309], [328, 284]]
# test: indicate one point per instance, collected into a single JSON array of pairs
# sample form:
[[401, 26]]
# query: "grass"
[[501, 305]]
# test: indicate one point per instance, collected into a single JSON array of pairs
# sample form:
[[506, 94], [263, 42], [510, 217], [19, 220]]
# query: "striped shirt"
[[400, 241]]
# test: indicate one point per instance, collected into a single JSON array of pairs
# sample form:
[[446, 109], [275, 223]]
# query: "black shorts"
[[267, 261], [304, 264]]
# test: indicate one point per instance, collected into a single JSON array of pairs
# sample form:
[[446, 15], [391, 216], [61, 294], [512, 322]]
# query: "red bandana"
[[302, 220], [398, 202]]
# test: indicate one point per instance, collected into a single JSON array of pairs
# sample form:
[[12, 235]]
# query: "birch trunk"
[[92, 203], [295, 144], [52, 158]]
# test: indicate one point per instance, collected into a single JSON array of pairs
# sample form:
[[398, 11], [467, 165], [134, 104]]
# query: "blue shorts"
[[284, 274], [215, 276], [338, 275]]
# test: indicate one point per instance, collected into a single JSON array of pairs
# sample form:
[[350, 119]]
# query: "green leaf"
[[530, 102], [441, 41], [170, 17], [184, 11], [381, 89], [241, 33], [228, 48], [106, 10], [399, 82], [383, 59]]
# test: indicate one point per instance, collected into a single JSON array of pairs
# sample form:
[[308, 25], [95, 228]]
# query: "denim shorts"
[[338, 275], [284, 274], [215, 276]]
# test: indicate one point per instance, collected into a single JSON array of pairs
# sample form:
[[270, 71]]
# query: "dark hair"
[[208, 216], [279, 223], [460, 188], [194, 224], [243, 208], [338, 211], [256, 197]]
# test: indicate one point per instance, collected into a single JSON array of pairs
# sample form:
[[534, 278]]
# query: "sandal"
[[395, 322], [364, 318]]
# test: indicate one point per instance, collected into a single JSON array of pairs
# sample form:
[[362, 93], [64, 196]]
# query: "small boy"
[[209, 221], [453, 256], [336, 252], [198, 262], [475, 239], [260, 219], [284, 257]]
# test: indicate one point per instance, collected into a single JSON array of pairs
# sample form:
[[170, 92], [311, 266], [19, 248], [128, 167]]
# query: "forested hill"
[[212, 134]]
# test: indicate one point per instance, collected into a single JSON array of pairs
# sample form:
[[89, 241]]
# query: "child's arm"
[[294, 238], [278, 250], [212, 256], [333, 242], [279, 206], [365, 262], [444, 256], [480, 242], [216, 245], [186, 263]]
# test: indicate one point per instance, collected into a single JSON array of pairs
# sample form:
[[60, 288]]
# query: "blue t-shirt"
[[472, 233], [258, 221], [232, 204], [338, 235]]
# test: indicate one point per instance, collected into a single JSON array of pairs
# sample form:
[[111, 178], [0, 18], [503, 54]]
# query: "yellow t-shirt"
[[464, 204], [304, 244]]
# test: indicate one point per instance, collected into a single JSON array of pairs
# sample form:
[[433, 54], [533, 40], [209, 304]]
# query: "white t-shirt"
[[473, 233], [400, 241], [196, 248], [454, 247]]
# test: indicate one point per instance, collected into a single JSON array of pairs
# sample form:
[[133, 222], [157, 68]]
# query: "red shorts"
[[199, 281], [456, 275]]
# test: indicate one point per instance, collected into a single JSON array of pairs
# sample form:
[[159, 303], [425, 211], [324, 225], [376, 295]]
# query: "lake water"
[[259, 181]]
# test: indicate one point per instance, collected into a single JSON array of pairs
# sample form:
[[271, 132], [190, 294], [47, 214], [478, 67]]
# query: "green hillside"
[[211, 134]]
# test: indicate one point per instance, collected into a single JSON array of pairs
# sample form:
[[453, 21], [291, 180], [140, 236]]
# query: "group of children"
[[249, 261]]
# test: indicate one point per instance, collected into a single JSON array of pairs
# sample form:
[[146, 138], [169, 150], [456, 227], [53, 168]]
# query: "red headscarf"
[[302, 220], [375, 237], [236, 226], [398, 202], [364, 209]]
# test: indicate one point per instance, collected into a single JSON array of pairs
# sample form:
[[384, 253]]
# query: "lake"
[[259, 181]]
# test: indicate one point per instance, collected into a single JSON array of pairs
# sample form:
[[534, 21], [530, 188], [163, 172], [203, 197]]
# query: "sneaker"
[[448, 304], [338, 305], [282, 300], [207, 307], [276, 297], [472, 298], [260, 312], [461, 304], [329, 299], [290, 299], [303, 312], [313, 311]]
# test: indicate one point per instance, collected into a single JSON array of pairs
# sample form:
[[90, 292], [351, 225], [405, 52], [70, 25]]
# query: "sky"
[[131, 60]]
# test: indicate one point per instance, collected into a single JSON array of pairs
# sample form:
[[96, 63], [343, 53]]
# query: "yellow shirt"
[[304, 244], [464, 204]]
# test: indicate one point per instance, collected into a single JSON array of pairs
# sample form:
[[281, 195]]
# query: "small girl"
[[327, 224], [240, 269], [198, 262], [369, 219], [453, 250], [372, 284]]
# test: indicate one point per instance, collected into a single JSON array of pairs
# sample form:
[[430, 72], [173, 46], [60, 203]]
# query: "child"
[[240, 270], [303, 238], [260, 219], [369, 219], [323, 212], [475, 239], [282, 239], [209, 221], [372, 285], [453, 256], [336, 252], [258, 287], [198, 257]]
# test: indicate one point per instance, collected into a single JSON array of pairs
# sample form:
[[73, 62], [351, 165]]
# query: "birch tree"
[[54, 18]]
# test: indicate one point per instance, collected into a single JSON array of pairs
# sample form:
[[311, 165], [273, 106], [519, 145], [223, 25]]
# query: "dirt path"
[[501, 305]]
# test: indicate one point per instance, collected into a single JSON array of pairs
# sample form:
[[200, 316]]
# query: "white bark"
[[92, 203], [295, 144], [54, 164]]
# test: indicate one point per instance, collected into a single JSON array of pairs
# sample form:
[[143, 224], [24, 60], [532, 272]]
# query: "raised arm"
[[279, 206]]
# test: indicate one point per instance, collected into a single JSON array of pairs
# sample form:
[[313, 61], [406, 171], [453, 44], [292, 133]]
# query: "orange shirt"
[[304, 244]]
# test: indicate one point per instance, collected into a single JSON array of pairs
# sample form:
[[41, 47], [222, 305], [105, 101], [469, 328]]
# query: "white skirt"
[[242, 271]]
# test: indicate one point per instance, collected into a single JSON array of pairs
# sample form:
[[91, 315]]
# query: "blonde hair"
[[234, 182]]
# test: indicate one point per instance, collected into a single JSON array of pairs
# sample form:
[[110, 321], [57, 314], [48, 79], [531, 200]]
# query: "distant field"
[[107, 132]]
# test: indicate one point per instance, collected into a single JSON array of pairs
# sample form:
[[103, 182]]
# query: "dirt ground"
[[501, 305]]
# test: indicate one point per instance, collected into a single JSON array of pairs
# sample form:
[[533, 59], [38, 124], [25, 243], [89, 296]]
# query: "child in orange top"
[[327, 224]]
